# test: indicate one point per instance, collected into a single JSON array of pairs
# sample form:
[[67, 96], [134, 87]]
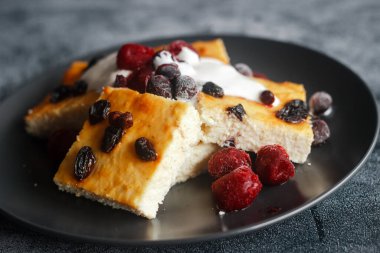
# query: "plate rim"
[[216, 235]]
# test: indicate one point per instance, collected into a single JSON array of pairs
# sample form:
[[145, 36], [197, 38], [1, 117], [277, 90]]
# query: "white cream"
[[212, 70], [189, 56], [101, 74], [202, 69], [163, 57]]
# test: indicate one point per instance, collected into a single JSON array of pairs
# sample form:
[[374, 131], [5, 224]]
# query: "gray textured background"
[[35, 35]]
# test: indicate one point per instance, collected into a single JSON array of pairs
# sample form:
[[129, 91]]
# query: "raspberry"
[[320, 101], [243, 69], [227, 160], [237, 189], [138, 80], [321, 132], [273, 165], [145, 149], [184, 87], [176, 46], [133, 56], [159, 85]]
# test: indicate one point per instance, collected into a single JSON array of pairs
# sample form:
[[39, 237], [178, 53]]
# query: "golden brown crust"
[[120, 175], [35, 119]]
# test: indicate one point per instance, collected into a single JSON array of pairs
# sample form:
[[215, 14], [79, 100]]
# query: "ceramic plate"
[[188, 213]]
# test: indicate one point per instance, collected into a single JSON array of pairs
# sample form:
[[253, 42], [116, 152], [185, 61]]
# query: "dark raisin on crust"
[[112, 136], [84, 163], [229, 143], [212, 89], [295, 111], [121, 120], [99, 111], [79, 88], [59, 93], [64, 91], [237, 110], [145, 150]]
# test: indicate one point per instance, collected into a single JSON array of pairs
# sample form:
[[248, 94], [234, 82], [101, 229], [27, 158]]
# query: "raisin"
[[170, 71], [99, 111], [145, 150], [243, 69], [184, 88], [121, 120], [79, 88], [320, 102], [159, 85], [120, 81], [294, 111], [267, 97], [321, 132], [212, 89], [59, 93], [237, 110], [84, 163], [112, 136]]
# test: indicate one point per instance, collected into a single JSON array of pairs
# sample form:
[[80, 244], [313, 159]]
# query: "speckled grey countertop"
[[35, 35]]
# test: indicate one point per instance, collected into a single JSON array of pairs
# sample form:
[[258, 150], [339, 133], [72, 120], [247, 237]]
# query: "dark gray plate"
[[28, 194]]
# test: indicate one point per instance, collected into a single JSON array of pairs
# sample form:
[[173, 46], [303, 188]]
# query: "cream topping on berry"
[[162, 57], [226, 76], [201, 69]]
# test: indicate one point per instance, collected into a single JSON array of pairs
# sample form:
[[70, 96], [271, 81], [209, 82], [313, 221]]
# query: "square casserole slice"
[[259, 126], [120, 178]]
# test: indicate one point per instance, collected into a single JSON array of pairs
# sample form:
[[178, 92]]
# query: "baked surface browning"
[[260, 126], [121, 176], [46, 117]]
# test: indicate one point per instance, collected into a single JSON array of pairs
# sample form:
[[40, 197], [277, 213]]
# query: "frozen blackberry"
[[321, 132], [170, 71], [184, 87], [159, 85], [320, 102]]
